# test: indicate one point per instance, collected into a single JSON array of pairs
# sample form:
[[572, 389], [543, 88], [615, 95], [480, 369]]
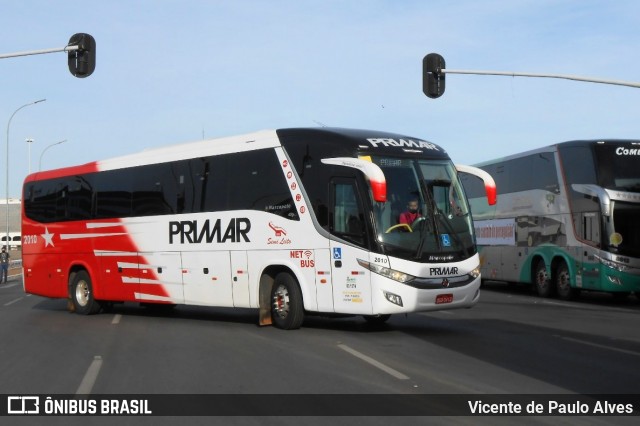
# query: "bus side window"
[[590, 229]]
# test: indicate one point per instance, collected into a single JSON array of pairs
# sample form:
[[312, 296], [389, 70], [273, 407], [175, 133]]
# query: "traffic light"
[[432, 75], [82, 62]]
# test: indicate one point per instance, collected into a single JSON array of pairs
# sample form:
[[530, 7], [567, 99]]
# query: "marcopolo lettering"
[[191, 232], [402, 143]]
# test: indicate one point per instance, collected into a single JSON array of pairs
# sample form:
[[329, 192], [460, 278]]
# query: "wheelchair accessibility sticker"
[[446, 241], [337, 253]]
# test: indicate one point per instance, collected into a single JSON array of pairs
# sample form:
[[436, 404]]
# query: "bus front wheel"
[[287, 311], [541, 279], [82, 294]]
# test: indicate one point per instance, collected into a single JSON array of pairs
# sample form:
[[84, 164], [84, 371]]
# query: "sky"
[[173, 71]]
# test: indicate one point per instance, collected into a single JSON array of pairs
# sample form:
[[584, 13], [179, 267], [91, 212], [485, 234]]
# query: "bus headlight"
[[386, 272], [611, 264], [475, 273]]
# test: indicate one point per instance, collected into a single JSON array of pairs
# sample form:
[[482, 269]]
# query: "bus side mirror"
[[82, 61], [489, 183]]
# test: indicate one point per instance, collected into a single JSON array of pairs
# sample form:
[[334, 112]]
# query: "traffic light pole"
[[39, 52], [81, 53], [434, 71], [528, 74]]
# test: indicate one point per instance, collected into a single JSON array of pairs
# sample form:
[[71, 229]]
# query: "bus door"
[[164, 269], [324, 288], [240, 279], [351, 282], [207, 278], [589, 231]]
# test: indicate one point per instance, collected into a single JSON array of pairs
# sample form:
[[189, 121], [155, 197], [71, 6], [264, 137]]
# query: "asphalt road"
[[510, 343]]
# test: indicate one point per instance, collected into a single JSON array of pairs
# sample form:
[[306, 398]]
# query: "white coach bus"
[[566, 219], [286, 221]]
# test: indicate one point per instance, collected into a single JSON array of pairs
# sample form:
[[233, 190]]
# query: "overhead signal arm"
[[434, 71], [81, 51]]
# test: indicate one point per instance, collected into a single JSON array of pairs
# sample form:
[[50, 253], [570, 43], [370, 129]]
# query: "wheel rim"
[[563, 281], [82, 293], [541, 278], [281, 301]]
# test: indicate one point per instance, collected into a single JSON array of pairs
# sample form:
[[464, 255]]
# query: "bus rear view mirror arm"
[[372, 172], [489, 183]]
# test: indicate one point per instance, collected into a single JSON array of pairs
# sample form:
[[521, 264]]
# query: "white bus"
[[15, 240], [286, 221], [566, 218]]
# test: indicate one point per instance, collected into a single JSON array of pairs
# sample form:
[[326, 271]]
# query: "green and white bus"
[[567, 218]]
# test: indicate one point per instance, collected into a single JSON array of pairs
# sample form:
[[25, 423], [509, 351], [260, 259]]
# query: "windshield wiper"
[[431, 204], [438, 217]]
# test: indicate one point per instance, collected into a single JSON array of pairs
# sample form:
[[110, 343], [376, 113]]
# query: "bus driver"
[[411, 214]]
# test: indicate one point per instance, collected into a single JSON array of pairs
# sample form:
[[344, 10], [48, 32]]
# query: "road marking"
[[13, 301], [116, 319], [90, 376], [9, 285], [562, 304], [377, 364], [584, 342]]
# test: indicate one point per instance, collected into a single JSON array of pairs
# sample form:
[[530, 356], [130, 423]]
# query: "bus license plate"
[[444, 298]]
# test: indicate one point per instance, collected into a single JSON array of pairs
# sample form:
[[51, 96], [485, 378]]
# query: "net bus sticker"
[[305, 258]]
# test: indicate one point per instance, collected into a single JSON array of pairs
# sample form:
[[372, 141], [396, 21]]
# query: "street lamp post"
[[29, 141], [45, 150], [7, 164]]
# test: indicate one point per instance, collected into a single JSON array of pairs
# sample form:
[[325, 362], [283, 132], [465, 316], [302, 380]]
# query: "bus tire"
[[541, 279], [563, 283], [82, 294], [287, 311]]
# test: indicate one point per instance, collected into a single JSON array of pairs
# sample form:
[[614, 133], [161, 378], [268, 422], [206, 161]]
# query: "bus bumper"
[[392, 297]]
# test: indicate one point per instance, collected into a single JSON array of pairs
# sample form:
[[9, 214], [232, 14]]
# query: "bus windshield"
[[426, 217], [623, 232], [616, 169]]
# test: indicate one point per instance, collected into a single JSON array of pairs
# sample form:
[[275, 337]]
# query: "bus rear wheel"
[[287, 310], [541, 279], [82, 294], [563, 283]]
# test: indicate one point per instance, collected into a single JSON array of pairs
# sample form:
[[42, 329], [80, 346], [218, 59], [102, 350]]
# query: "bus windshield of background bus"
[[617, 169], [426, 216], [617, 166]]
